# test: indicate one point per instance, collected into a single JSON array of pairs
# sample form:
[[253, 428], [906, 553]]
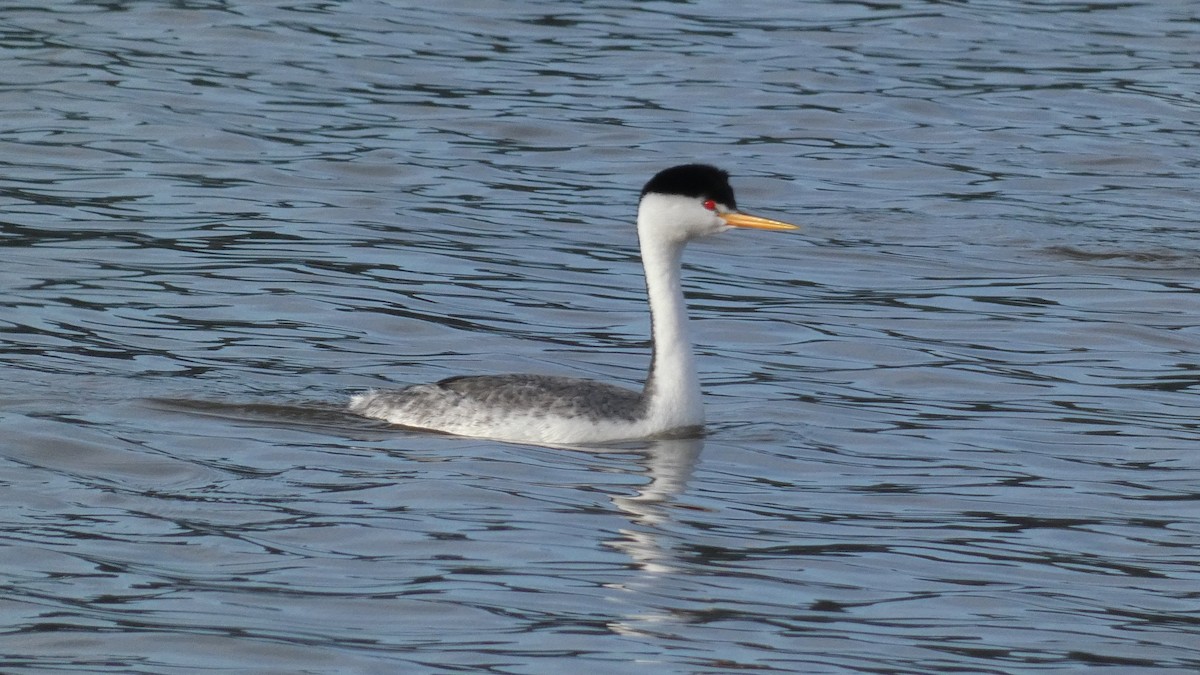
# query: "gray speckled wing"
[[546, 395]]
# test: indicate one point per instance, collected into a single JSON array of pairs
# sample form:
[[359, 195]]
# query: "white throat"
[[672, 391]]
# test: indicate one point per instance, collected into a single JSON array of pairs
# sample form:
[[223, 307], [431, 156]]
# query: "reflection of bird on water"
[[677, 205], [669, 463]]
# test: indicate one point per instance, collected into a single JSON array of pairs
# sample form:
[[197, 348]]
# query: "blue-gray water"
[[953, 421]]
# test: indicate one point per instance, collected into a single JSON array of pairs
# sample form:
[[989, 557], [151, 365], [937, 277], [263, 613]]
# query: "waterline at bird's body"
[[677, 205]]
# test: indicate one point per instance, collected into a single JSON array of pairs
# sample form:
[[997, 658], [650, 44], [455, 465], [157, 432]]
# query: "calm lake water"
[[953, 421]]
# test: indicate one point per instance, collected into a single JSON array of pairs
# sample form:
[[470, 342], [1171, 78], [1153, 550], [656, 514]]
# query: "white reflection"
[[669, 464]]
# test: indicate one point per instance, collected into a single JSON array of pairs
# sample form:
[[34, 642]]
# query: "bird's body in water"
[[678, 205]]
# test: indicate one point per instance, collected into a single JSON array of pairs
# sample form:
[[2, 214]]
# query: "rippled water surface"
[[953, 421]]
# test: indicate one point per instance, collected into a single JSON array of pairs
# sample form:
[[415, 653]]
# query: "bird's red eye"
[[710, 205]]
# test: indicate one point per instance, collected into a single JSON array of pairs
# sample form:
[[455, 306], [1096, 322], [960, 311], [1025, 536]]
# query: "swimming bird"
[[677, 205]]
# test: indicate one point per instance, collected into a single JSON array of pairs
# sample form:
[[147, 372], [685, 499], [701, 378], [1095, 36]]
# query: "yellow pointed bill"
[[757, 222]]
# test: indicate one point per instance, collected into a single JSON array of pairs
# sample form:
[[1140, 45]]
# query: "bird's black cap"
[[693, 180]]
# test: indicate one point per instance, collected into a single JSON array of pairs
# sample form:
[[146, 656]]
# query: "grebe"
[[678, 205]]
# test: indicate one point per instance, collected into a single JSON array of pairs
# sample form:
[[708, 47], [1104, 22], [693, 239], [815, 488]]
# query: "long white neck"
[[672, 393]]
